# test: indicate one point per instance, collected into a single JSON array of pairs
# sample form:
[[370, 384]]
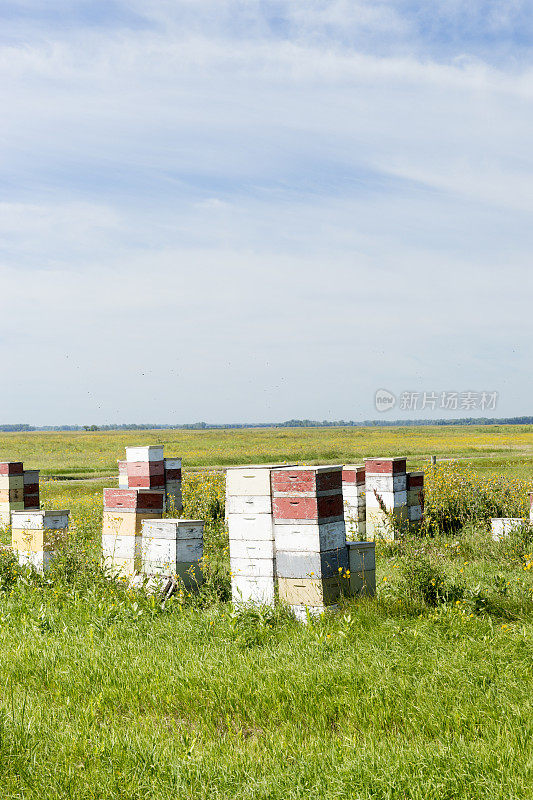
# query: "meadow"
[[93, 454], [424, 692]]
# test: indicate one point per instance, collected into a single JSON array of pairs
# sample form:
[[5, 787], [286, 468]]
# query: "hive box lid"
[[42, 511], [361, 545], [384, 465], [259, 466], [311, 467], [179, 521]]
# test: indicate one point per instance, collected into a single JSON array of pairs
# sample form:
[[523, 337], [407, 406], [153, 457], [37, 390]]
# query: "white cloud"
[[236, 213]]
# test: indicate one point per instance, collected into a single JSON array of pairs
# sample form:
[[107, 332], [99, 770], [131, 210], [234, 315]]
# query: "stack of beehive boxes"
[[251, 535], [386, 497], [362, 564], [173, 547], [173, 497], [124, 512], [31, 490], [353, 493], [145, 467], [415, 498], [37, 536], [310, 538], [11, 489]]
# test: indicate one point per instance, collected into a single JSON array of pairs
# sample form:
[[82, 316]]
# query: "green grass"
[[488, 448], [108, 694], [125, 701]]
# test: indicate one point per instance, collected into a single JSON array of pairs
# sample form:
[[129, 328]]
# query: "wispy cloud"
[[241, 195]]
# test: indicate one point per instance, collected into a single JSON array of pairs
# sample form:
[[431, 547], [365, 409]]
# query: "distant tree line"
[[291, 423]]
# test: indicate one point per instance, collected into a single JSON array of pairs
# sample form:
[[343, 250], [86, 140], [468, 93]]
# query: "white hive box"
[[253, 479], [310, 538], [40, 560], [174, 547], [121, 547], [504, 526], [250, 527], [40, 520], [151, 452], [257, 591], [386, 497], [390, 500], [379, 524], [172, 551], [386, 483], [253, 567], [174, 529], [123, 567], [354, 516], [251, 549], [353, 492], [248, 505]]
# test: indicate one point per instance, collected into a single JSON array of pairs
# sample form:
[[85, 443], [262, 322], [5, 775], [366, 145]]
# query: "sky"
[[244, 210]]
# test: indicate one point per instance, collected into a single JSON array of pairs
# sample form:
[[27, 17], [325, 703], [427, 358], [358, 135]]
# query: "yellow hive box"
[[35, 541], [125, 523], [12, 496], [311, 591]]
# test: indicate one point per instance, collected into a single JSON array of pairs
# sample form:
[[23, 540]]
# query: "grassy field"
[[95, 453], [423, 693]]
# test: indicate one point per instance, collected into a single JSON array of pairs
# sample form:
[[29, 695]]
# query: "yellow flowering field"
[[504, 448], [456, 494]]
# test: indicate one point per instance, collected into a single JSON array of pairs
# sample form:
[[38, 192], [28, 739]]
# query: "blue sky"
[[258, 210]]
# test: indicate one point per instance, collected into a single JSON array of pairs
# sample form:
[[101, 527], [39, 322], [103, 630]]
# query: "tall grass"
[[421, 693], [457, 495]]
